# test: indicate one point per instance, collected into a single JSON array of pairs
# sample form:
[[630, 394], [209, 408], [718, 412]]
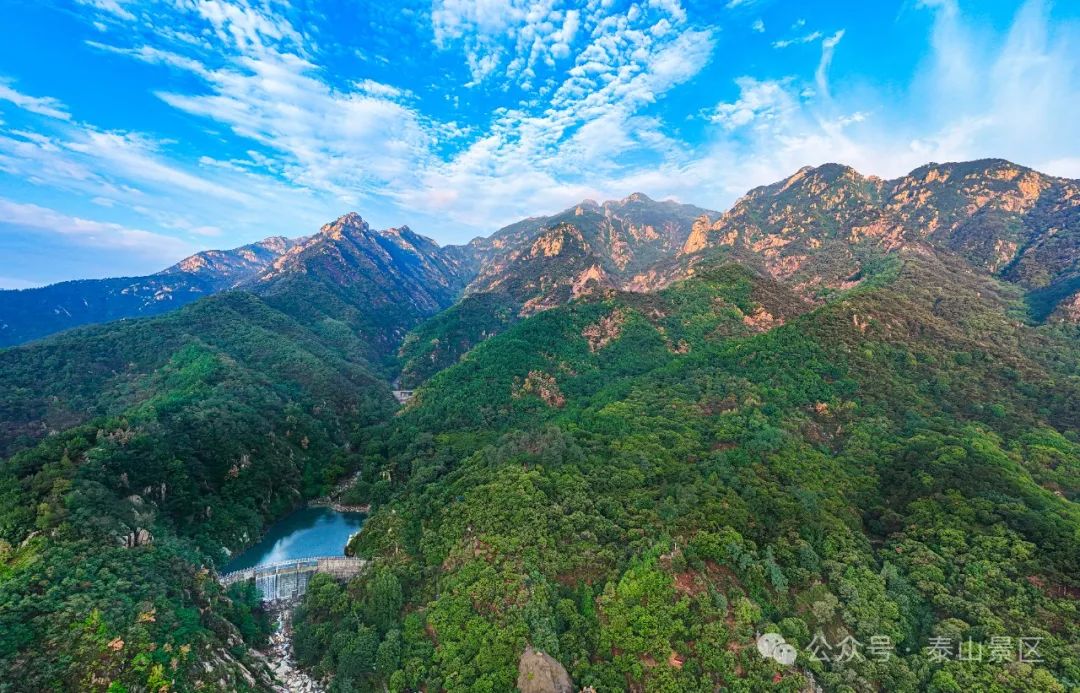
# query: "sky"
[[135, 133]]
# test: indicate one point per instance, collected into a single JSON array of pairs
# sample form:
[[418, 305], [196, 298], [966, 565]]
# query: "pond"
[[304, 533]]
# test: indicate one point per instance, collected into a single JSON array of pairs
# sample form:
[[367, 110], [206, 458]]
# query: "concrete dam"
[[288, 580]]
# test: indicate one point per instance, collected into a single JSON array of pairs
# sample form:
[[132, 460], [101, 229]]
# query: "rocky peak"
[[999, 216], [407, 235], [814, 180], [33, 313], [587, 206], [402, 235], [347, 224], [276, 244], [633, 202], [699, 235]]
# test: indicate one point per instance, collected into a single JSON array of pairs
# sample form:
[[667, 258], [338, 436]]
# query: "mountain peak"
[[349, 219], [351, 222]]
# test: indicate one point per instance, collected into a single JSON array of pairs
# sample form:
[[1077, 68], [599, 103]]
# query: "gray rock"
[[542, 673]]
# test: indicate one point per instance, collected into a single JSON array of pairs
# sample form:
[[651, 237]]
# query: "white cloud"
[[244, 26], [1015, 98], [581, 114], [758, 26], [41, 105], [17, 283], [347, 143], [515, 35], [828, 47], [576, 146], [974, 97], [382, 91], [805, 38], [92, 233], [132, 156], [113, 7], [760, 102]]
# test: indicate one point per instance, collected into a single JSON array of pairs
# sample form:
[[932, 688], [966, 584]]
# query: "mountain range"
[[643, 433], [808, 230], [29, 314]]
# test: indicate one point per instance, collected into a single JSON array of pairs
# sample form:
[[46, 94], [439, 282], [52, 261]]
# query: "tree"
[[384, 600]]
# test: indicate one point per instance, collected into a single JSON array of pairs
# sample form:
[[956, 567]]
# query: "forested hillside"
[[141, 451], [638, 485], [846, 411], [29, 314], [543, 262], [170, 438]]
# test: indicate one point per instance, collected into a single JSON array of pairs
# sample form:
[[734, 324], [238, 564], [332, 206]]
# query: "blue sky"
[[134, 133]]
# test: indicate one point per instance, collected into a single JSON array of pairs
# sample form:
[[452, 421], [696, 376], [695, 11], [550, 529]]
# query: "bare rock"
[[541, 673]]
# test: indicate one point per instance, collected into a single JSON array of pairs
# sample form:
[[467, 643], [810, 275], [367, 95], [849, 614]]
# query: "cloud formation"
[[92, 233], [535, 106]]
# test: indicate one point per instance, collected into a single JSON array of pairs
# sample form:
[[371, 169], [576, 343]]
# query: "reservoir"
[[304, 533]]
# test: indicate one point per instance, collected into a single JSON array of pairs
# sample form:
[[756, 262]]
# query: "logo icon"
[[773, 646]]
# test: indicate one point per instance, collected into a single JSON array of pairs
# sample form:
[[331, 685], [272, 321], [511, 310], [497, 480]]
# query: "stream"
[[304, 533]]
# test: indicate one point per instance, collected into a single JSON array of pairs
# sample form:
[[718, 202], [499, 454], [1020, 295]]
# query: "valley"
[[640, 434]]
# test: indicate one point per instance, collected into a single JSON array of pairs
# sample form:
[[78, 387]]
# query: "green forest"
[[881, 471], [181, 437], [640, 485]]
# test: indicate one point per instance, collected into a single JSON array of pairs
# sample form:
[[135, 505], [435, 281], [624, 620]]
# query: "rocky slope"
[[360, 288], [542, 262], [636, 484], [817, 227], [819, 231], [607, 243], [29, 314]]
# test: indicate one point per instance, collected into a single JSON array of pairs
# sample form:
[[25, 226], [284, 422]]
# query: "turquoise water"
[[305, 533]]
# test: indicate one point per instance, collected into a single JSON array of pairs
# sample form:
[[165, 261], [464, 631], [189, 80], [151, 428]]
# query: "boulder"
[[541, 673]]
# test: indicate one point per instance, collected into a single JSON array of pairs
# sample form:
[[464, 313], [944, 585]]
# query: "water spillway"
[[288, 580], [308, 541]]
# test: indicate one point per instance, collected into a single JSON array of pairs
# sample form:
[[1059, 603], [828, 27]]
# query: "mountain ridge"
[[28, 314], [1001, 217], [638, 482]]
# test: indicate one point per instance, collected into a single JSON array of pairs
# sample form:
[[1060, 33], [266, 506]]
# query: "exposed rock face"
[[699, 235], [141, 537], [229, 268], [812, 226], [543, 386], [609, 242], [606, 330], [396, 266], [279, 656], [541, 673], [540, 263], [761, 320], [1069, 310]]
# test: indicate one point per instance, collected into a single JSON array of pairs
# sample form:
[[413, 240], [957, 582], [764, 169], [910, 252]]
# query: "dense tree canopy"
[[639, 485]]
